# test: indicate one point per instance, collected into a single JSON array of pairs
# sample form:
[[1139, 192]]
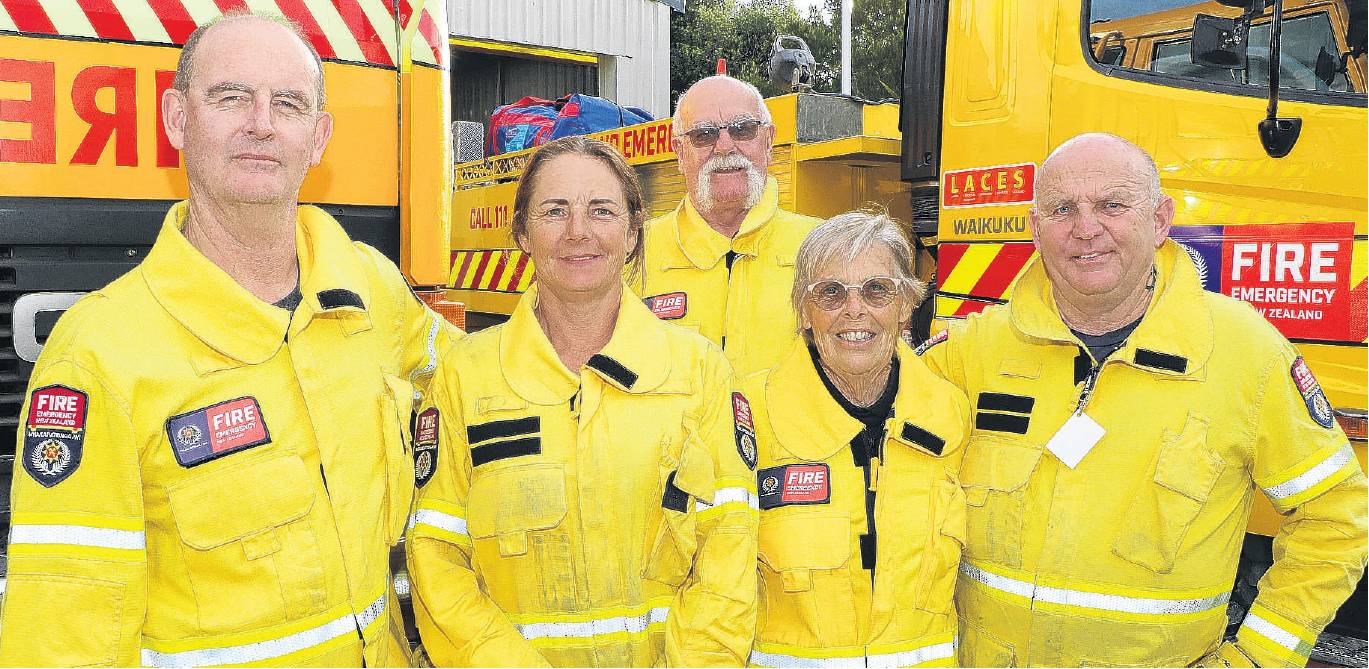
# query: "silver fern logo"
[[1198, 262]]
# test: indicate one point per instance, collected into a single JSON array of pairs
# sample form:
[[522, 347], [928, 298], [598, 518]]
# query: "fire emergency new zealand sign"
[[1297, 275]]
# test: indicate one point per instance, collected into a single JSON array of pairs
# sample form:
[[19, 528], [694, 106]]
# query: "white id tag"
[[1075, 439]]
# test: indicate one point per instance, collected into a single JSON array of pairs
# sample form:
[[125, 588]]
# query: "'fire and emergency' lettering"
[[1297, 275], [216, 430], [640, 141], [103, 97], [808, 483]]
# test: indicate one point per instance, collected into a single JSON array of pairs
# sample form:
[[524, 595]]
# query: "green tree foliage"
[[743, 32]]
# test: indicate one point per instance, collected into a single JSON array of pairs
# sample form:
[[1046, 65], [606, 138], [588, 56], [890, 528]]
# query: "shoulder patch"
[[54, 434], [785, 485], [668, 306], [932, 341], [1317, 405], [425, 445], [217, 430], [744, 429]]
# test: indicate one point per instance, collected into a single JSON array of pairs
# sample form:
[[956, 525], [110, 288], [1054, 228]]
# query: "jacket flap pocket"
[[804, 539], [517, 499], [695, 473], [245, 499], [1186, 465], [998, 466]]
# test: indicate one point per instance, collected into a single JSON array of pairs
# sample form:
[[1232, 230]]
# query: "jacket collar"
[[811, 425], [806, 420], [703, 247], [635, 360], [239, 328], [1175, 337]]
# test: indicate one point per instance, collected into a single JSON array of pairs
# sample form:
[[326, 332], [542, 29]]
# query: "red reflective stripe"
[[371, 47], [475, 278], [174, 18], [29, 16], [493, 282], [465, 265], [968, 307], [105, 19], [948, 255], [428, 28], [517, 276], [1002, 270], [296, 11], [226, 6]]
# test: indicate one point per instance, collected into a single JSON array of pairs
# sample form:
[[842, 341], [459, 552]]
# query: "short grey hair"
[[844, 238], [1150, 172], [755, 92], [185, 66]]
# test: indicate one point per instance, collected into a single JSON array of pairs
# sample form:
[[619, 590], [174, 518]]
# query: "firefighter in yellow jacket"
[[1124, 418], [584, 499], [862, 516], [205, 477], [722, 261]]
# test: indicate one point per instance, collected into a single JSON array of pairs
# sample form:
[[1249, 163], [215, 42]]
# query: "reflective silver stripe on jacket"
[[592, 628], [907, 658], [1093, 600], [438, 519], [725, 495], [1310, 478], [78, 535], [1276, 634], [265, 650]]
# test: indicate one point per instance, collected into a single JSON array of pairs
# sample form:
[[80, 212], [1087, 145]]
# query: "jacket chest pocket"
[[995, 473], [671, 537], [251, 553], [514, 513], [940, 563], [1162, 509], [805, 575], [396, 414]]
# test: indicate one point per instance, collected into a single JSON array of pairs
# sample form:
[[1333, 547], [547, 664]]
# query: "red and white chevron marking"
[[360, 31]]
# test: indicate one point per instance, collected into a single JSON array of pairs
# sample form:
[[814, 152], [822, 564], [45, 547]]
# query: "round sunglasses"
[[876, 291]]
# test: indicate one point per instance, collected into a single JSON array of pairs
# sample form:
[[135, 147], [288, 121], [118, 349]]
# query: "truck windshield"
[[1323, 43]]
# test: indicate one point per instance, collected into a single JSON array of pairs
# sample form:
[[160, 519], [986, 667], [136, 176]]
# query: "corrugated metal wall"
[[635, 32]]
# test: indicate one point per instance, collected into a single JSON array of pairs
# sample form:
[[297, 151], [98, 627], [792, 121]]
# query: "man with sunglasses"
[[1124, 419], [723, 260]]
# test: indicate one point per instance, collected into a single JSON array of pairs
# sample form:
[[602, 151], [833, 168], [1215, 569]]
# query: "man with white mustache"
[[722, 261]]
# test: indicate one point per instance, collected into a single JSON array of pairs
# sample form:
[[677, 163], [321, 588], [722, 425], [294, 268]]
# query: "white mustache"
[[730, 161]]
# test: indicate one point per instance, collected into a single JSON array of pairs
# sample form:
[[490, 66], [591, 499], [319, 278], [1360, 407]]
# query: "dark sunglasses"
[[740, 131], [877, 292]]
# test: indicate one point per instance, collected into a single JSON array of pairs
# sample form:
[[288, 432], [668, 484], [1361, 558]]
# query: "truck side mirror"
[[1328, 66], [1220, 42]]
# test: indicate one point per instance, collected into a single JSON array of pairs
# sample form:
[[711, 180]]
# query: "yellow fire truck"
[[87, 173]]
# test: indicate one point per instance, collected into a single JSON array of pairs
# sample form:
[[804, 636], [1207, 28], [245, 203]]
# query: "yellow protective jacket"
[[1128, 559], [746, 309], [602, 517], [206, 479], [820, 602]]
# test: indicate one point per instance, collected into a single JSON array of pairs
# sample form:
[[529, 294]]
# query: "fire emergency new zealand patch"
[[745, 430], [425, 445], [808, 483], [1317, 405], [668, 306], [217, 430], [54, 434]]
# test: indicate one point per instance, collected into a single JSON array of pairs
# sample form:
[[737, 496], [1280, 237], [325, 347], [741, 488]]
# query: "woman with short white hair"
[[862, 516]]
